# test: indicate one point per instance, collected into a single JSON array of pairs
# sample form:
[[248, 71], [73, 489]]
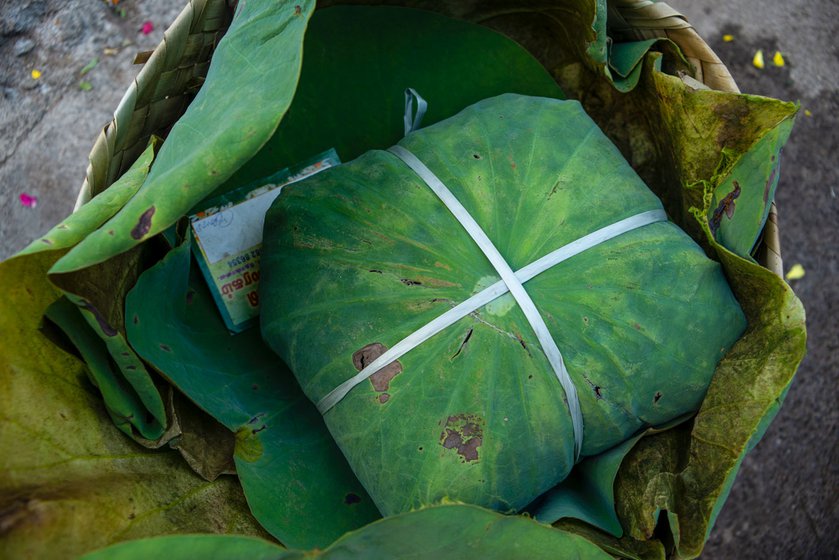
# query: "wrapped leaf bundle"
[[360, 257]]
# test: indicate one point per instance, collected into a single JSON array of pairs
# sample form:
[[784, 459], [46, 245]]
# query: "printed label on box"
[[228, 240]]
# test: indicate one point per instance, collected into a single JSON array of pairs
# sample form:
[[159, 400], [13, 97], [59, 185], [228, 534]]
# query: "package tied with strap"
[[479, 307]]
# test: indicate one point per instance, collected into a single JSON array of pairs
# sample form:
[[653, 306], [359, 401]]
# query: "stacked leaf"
[[688, 145], [361, 256]]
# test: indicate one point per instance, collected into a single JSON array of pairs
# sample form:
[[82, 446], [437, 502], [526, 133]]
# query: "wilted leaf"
[[588, 494], [746, 189], [70, 482], [689, 474]]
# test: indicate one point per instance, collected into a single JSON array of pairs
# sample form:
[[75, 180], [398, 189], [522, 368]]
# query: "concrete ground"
[[785, 503]]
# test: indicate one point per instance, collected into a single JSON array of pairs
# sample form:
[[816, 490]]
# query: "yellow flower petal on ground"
[[795, 273], [36, 74], [727, 38], [778, 59], [758, 59], [808, 113]]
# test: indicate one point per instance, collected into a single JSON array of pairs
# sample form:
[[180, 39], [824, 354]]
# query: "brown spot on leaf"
[[657, 397], [409, 282], [383, 398], [464, 433], [726, 206], [366, 355], [100, 319], [143, 224], [165, 348], [45, 240], [597, 392], [375, 271], [63, 226], [636, 326]]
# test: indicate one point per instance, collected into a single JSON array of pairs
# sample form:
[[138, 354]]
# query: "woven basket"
[[174, 72]]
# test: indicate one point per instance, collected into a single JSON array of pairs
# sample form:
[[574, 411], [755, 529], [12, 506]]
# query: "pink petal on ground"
[[28, 200], [147, 28]]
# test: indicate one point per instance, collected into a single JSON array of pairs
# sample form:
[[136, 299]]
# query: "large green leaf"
[[675, 137], [351, 91], [291, 470], [448, 531], [248, 88], [206, 547], [360, 256], [70, 482]]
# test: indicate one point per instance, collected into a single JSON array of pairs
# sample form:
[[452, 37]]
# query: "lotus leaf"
[[360, 256], [70, 482], [688, 144], [448, 531], [290, 468]]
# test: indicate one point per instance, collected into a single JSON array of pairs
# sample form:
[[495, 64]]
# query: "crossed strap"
[[510, 282]]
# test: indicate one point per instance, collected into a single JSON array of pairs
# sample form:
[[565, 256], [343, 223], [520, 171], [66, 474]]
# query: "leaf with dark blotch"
[[751, 179], [484, 419], [75, 227], [246, 93]]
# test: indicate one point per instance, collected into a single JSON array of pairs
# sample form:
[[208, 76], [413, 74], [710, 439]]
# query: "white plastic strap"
[[510, 282], [482, 298], [516, 288]]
